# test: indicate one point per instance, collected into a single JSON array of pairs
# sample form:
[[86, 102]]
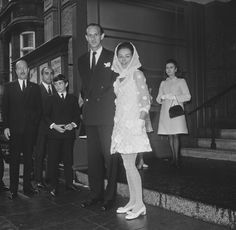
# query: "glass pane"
[[25, 51], [28, 40]]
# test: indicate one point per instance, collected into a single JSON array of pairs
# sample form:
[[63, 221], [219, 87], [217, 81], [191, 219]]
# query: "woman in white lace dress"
[[172, 91], [129, 135]]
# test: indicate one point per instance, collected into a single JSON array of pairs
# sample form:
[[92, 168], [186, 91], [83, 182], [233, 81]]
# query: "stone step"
[[226, 144], [191, 208], [206, 153], [220, 133], [228, 133]]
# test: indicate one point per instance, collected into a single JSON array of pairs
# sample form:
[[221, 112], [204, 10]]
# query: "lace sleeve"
[[142, 91]]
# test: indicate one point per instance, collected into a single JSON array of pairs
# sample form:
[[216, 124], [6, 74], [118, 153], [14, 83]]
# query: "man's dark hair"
[[23, 61], [60, 77], [46, 67], [95, 24]]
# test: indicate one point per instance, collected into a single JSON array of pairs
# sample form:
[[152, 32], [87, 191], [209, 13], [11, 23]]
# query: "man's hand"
[[69, 127], [80, 101], [7, 133], [59, 128]]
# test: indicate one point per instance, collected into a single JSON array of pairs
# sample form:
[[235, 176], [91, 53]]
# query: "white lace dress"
[[129, 133]]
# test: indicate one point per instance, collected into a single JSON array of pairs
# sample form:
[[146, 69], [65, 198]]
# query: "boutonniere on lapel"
[[107, 65]]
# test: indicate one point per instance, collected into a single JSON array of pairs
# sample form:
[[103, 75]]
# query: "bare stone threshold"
[[191, 208]]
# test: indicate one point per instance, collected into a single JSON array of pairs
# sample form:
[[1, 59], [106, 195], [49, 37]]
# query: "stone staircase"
[[175, 198], [225, 147]]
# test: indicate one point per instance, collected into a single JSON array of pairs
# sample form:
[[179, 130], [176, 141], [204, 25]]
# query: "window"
[[27, 42], [10, 61]]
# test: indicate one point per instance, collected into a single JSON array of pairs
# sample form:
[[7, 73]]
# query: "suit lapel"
[[87, 66], [18, 88], [99, 65], [89, 72], [53, 89], [27, 89], [100, 62], [43, 90], [58, 96]]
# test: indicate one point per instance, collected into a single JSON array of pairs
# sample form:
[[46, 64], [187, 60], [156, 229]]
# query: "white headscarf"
[[133, 65]]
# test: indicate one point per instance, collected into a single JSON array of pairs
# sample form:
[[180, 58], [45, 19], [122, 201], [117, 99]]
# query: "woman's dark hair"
[[125, 45], [172, 61]]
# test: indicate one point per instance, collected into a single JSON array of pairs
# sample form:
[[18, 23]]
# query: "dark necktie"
[[93, 61], [62, 96], [23, 86], [49, 90]]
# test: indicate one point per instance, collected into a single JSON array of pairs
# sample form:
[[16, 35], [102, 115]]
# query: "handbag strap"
[[173, 100]]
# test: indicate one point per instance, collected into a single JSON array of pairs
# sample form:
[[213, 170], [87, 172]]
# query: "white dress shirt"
[[64, 94], [21, 83], [46, 86], [98, 53]]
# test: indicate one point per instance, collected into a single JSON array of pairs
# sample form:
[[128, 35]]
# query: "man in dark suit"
[[98, 114], [21, 110], [47, 89], [62, 115]]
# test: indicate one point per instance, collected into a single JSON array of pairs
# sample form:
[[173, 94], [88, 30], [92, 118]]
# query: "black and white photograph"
[[117, 114]]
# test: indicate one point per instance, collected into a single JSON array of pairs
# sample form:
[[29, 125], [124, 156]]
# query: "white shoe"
[[134, 215], [122, 210]]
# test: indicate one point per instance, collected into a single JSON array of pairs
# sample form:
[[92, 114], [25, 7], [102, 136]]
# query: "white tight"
[[134, 182]]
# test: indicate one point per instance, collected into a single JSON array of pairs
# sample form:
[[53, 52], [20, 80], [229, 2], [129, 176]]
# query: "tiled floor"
[[64, 212], [208, 181]]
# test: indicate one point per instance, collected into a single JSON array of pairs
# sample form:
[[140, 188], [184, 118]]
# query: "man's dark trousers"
[[1, 168], [98, 145], [60, 149], [21, 143]]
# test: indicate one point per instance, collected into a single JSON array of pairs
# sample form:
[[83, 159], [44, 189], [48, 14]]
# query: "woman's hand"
[[139, 127]]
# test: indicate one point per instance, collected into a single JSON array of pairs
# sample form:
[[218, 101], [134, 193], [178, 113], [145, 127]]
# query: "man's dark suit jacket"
[[21, 111], [43, 129], [97, 88], [61, 111]]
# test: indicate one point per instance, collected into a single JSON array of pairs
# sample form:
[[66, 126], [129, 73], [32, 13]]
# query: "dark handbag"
[[176, 110]]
